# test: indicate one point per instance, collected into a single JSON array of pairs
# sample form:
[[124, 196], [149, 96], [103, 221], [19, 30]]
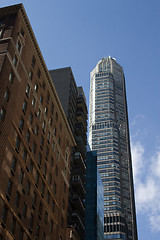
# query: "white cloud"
[[147, 186]]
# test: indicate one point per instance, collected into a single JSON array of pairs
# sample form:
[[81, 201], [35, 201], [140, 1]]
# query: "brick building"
[[35, 137]]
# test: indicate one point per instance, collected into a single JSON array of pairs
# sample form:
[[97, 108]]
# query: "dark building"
[[74, 103], [109, 136], [35, 137], [94, 220]]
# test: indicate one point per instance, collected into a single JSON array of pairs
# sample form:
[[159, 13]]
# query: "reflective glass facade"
[[109, 135], [94, 220]]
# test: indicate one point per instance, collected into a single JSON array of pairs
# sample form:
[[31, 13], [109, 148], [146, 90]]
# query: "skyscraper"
[[109, 135]]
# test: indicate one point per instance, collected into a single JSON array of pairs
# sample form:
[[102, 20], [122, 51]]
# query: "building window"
[[45, 170], [15, 60], [4, 214], [2, 113], [39, 73], [48, 197], [52, 108], [51, 226], [41, 99], [50, 178], [55, 188], [44, 126], [11, 77], [34, 198], [52, 161], [28, 136], [28, 186], [53, 205], [34, 147], [13, 225], [33, 102], [31, 221], [28, 90], [31, 118], [21, 233], [42, 142], [30, 75], [7, 95], [24, 108], [46, 110], [47, 152], [56, 170], [48, 97], [36, 87], [21, 124], [31, 166], [18, 143], [24, 210], [39, 113], [13, 164], [39, 159], [24, 154], [40, 208], [37, 178], [63, 204], [9, 188], [50, 121], [46, 217], [33, 61], [42, 187], [17, 199], [21, 175], [48, 137], [36, 130], [43, 85], [56, 116], [37, 230], [18, 46]]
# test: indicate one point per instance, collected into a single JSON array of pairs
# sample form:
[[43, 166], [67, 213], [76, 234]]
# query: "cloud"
[[146, 171], [137, 117]]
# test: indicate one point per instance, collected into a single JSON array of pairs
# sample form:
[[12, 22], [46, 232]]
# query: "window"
[[37, 178], [51, 226], [34, 198], [30, 75], [46, 217], [24, 211], [31, 118], [39, 73], [31, 166], [44, 126], [59, 140], [37, 230], [53, 205], [11, 77], [31, 221], [48, 97], [48, 137], [28, 186], [17, 143], [21, 233], [46, 110], [52, 108], [39, 113], [42, 142], [63, 204], [2, 113], [48, 197], [9, 188], [4, 214], [50, 178], [36, 130], [18, 46], [56, 170], [21, 175], [53, 145], [21, 124], [24, 108], [17, 199], [45, 170], [57, 155], [36, 87], [50, 121], [52, 161], [33, 61], [42, 187], [24, 154], [55, 188], [34, 147], [43, 85], [47, 152], [33, 102], [15, 60], [7, 94], [28, 90], [39, 159], [28, 136], [13, 164], [40, 208], [41, 99], [13, 225], [56, 116]]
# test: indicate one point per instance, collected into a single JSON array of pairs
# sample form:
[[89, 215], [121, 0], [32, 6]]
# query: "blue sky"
[[78, 33]]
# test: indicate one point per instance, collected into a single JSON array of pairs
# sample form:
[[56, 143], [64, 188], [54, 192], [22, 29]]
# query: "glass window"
[[39, 73], [34, 147], [24, 211], [2, 113], [28, 136], [31, 221], [18, 143], [21, 175], [36, 87], [41, 99], [4, 214], [18, 46], [24, 108], [11, 77], [31, 118], [15, 60], [7, 94], [13, 165], [33, 61], [28, 186], [9, 188], [13, 225], [28, 90], [36, 130], [17, 199], [30, 75], [21, 124], [33, 102]]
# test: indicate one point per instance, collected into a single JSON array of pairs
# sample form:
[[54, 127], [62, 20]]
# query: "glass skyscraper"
[[109, 135]]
